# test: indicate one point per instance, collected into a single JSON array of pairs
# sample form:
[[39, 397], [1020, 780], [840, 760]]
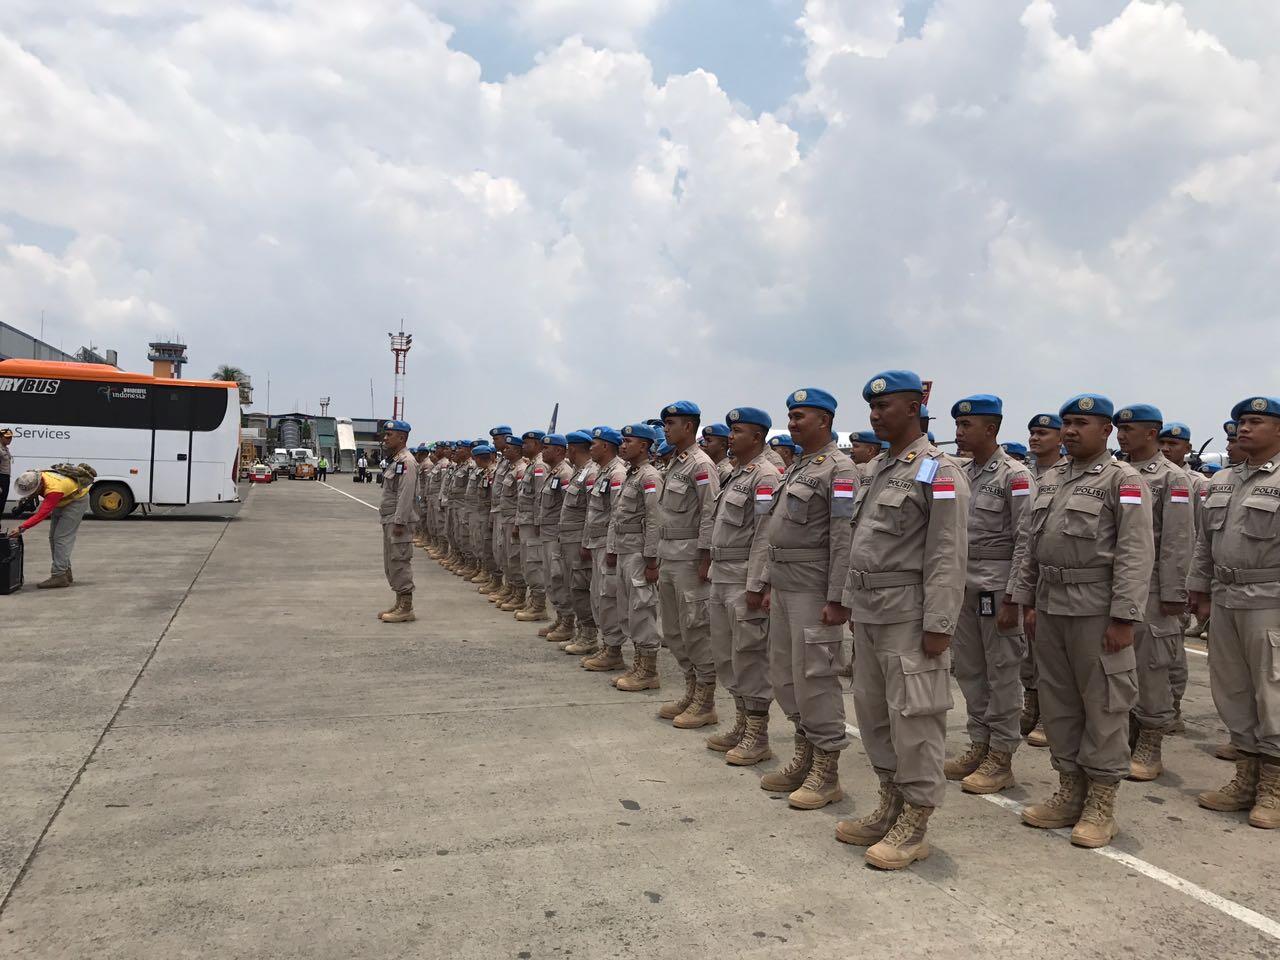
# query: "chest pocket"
[[797, 500], [1081, 518], [1260, 517], [988, 512], [888, 511], [737, 506], [1215, 511], [679, 493]]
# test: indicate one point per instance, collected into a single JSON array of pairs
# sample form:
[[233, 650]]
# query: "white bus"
[[152, 441]]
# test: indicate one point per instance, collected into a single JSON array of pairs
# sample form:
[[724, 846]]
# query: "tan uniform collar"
[[1095, 465], [826, 451]]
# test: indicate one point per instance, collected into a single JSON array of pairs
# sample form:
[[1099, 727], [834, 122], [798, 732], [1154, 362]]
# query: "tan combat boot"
[[904, 844], [1030, 711], [536, 609], [1144, 763], [724, 742], [554, 625], [966, 763], [609, 658], [482, 575], [503, 595], [822, 785], [1265, 814], [645, 676], [1097, 824], [672, 710], [514, 602], [490, 584], [583, 643], [55, 582], [1037, 737], [793, 775], [873, 828], [403, 612], [754, 745], [631, 670], [701, 711], [433, 550], [1240, 794], [994, 774], [564, 631], [1063, 809], [395, 601]]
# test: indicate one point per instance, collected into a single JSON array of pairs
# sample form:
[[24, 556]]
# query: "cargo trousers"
[[1085, 696], [740, 645], [553, 574], [532, 552], [577, 576], [498, 538], [604, 591], [901, 697], [64, 525], [988, 665], [804, 660], [1244, 677], [1154, 646], [683, 597], [637, 603], [511, 546], [397, 560]]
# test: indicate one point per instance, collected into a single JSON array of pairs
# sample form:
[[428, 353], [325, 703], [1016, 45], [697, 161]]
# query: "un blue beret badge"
[[1175, 431], [1258, 403], [733, 415], [1044, 421], [1085, 403], [878, 385], [965, 406], [672, 409], [627, 431], [596, 432], [1124, 414], [800, 396]]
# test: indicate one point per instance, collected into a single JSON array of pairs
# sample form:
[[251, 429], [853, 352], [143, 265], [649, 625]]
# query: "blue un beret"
[[1088, 404], [681, 408], [865, 436], [607, 434], [1209, 469], [894, 381], [578, 436], [782, 440], [752, 415], [1015, 449], [479, 443], [1045, 421], [500, 431], [932, 438], [533, 435], [464, 443], [1138, 413], [1264, 406], [812, 397], [1229, 428], [715, 430], [400, 425], [421, 448], [1173, 430], [640, 431], [483, 450], [555, 440], [978, 405], [663, 449]]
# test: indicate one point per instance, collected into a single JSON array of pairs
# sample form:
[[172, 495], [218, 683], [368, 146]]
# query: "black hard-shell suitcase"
[[10, 565]]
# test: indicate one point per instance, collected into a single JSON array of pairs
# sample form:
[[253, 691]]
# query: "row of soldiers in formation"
[[1059, 587]]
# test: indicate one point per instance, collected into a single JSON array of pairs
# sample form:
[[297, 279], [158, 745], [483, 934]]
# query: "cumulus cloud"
[[1032, 198]]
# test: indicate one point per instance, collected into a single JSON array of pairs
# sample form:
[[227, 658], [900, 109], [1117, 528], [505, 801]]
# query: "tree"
[[228, 374]]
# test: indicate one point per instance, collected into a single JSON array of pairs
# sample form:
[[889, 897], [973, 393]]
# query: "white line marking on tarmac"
[[1198, 653], [1260, 922], [348, 496]]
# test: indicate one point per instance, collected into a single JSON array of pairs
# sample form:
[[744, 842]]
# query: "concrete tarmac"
[[209, 747]]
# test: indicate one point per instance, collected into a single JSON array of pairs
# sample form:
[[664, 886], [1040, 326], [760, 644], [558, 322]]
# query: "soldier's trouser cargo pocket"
[[693, 609], [1121, 680], [926, 686], [821, 651], [1273, 637]]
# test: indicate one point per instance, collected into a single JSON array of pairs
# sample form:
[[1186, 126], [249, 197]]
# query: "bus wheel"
[[111, 501]]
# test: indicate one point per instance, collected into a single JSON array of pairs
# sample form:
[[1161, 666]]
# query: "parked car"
[[261, 473]]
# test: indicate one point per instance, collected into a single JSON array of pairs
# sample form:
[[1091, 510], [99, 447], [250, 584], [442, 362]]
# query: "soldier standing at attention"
[[527, 497], [450, 554], [501, 437], [1175, 444], [605, 442], [420, 455], [864, 446], [458, 504], [715, 444], [798, 565], [1158, 636], [577, 561], [1044, 440], [399, 514], [1236, 571], [740, 637], [684, 582], [1084, 580], [435, 535], [781, 451], [481, 522], [905, 588], [512, 598], [989, 644], [555, 454], [632, 554]]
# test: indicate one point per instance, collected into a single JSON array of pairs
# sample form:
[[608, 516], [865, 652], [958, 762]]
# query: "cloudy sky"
[[616, 204]]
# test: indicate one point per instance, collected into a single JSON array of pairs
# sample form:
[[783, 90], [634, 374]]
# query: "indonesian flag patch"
[[1131, 493], [650, 486], [841, 489], [702, 479], [538, 471], [615, 484], [764, 493], [1020, 486], [1179, 495], [591, 482], [944, 488]]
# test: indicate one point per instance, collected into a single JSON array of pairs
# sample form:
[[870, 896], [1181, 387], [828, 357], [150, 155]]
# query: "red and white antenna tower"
[[400, 344]]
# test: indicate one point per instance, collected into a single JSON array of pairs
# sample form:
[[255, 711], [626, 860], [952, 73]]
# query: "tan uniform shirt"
[[1238, 547], [484, 489], [604, 494], [1001, 492], [1199, 490], [573, 510], [1090, 546], [510, 490], [1038, 472], [910, 540], [633, 522], [500, 470], [805, 544], [741, 511], [446, 483], [1172, 525], [530, 491], [688, 505], [399, 489], [551, 500], [724, 470]]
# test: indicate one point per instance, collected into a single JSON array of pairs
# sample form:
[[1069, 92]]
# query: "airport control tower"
[[167, 359]]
